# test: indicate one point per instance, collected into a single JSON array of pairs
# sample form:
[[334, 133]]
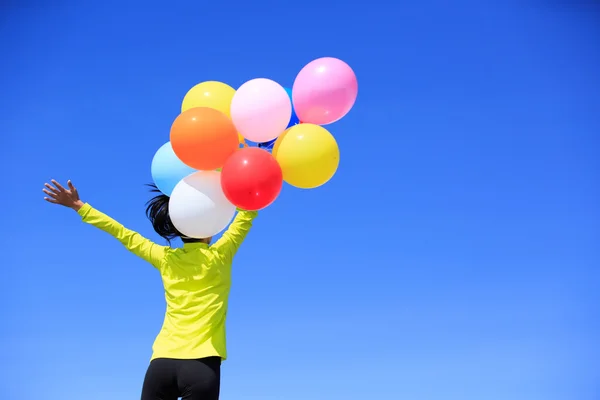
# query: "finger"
[[49, 193], [49, 200], [55, 190], [59, 186], [71, 187]]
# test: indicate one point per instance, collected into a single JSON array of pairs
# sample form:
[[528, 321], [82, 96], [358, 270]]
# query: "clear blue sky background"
[[454, 255]]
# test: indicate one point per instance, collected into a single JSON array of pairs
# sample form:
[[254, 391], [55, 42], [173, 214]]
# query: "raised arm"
[[133, 241], [235, 234]]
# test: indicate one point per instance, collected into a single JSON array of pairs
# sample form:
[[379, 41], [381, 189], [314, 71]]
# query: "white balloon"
[[198, 207]]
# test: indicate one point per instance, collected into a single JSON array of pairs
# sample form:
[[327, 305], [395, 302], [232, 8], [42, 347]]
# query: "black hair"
[[157, 211]]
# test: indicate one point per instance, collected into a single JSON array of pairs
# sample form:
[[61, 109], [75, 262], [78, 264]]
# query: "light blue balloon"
[[167, 169]]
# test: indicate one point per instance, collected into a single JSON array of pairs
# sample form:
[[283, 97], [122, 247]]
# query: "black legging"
[[169, 379]]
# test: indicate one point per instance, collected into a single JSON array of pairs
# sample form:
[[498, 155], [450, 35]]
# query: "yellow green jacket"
[[196, 279]]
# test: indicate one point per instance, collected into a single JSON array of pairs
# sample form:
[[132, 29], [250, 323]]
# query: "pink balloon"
[[261, 110], [324, 91]]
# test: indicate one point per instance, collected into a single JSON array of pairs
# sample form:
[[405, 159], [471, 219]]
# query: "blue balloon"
[[294, 119], [167, 169]]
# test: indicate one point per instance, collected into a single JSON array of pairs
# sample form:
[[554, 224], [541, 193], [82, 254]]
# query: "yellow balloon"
[[308, 155], [211, 94]]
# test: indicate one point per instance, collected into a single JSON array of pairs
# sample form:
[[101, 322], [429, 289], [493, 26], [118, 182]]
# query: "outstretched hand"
[[57, 194]]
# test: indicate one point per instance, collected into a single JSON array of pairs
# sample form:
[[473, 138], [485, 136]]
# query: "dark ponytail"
[[157, 211]]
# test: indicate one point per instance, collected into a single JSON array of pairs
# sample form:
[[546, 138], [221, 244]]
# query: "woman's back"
[[197, 280]]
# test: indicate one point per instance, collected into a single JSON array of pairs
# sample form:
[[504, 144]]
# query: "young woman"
[[188, 351]]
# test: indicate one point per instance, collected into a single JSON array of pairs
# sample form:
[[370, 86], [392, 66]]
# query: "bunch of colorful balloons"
[[208, 169]]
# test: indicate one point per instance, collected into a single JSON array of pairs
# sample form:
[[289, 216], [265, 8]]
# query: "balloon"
[[203, 138], [261, 110], [251, 179], [211, 94], [293, 121], [198, 207], [324, 91], [167, 170], [308, 155], [294, 118]]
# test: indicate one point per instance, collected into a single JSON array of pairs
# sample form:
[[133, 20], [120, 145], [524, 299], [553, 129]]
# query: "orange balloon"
[[203, 138]]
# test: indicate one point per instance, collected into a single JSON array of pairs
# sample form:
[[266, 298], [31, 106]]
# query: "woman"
[[188, 351]]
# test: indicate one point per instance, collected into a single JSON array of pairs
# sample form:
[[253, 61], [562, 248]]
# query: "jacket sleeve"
[[233, 237], [133, 241]]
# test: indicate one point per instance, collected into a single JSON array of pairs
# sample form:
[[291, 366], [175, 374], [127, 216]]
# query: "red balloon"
[[251, 178]]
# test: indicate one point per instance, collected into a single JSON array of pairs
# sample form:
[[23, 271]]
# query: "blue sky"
[[453, 256]]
